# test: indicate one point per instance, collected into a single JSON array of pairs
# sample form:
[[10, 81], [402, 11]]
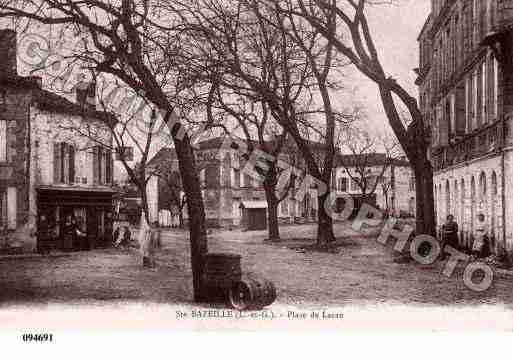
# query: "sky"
[[395, 29]]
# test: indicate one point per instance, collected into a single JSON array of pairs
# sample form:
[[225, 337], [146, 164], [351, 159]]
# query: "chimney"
[[8, 62], [86, 95]]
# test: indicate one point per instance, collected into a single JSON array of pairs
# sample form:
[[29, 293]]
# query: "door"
[[92, 226]]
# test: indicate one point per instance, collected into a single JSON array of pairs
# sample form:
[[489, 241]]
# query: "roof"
[[49, 101], [168, 153], [369, 159], [52, 102], [253, 204]]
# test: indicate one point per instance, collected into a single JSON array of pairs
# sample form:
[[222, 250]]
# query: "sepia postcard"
[[255, 165]]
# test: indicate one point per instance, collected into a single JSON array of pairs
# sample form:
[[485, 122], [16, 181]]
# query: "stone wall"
[[467, 190]]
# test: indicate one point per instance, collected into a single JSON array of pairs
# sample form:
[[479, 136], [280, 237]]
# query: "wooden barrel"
[[252, 293], [222, 271]]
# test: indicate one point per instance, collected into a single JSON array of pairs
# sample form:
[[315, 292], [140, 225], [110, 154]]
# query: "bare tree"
[[369, 159], [135, 42], [260, 132], [253, 47], [344, 24]]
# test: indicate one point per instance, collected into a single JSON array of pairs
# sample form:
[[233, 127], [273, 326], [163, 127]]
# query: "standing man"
[[450, 234]]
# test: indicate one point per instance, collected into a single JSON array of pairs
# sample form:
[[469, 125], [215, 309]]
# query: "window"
[[3, 141], [284, 208], [64, 163], [102, 165], [411, 185], [354, 185], [342, 184], [8, 208], [3, 209], [236, 175], [484, 93], [247, 180]]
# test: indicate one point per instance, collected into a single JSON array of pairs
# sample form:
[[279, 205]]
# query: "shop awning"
[[74, 196]]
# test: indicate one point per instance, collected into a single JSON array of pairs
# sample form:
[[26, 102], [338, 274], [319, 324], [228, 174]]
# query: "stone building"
[[47, 168], [229, 190], [465, 80], [395, 189], [226, 187]]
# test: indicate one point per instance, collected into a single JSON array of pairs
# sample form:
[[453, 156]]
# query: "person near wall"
[[480, 246], [449, 234], [116, 239], [68, 234], [43, 235]]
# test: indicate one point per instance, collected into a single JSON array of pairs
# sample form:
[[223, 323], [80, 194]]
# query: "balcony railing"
[[482, 141]]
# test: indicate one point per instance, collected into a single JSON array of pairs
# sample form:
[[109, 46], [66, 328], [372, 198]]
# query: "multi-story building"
[[465, 80], [48, 170], [228, 188], [389, 182]]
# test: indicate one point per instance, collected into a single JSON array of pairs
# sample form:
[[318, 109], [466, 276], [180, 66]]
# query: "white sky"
[[395, 29]]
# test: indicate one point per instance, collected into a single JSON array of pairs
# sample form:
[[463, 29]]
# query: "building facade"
[[226, 187], [229, 189], [49, 171], [390, 182], [465, 80]]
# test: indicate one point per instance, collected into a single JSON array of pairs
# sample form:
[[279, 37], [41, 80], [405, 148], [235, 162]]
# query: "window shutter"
[[57, 162], [95, 165], [108, 171], [11, 141], [101, 166], [3, 140], [71, 154]]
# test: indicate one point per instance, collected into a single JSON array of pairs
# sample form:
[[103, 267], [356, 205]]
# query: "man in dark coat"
[[450, 233]]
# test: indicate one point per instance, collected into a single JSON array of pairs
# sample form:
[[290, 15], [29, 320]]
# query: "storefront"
[[90, 210]]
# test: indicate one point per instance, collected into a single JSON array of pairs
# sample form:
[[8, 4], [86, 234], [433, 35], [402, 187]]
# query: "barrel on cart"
[[222, 271], [252, 293]]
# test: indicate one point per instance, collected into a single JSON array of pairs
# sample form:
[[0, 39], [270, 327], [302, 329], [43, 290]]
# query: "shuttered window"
[[3, 141], [3, 209], [95, 164], [63, 163], [57, 162], [102, 165], [71, 166], [108, 172]]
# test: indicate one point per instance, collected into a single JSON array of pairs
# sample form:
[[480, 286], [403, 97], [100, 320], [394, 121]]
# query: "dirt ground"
[[361, 272]]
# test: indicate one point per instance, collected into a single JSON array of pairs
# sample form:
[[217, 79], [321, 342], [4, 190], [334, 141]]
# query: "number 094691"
[[44, 337]]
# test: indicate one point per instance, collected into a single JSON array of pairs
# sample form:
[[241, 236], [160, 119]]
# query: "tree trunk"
[[324, 223], [196, 212], [272, 213], [425, 213]]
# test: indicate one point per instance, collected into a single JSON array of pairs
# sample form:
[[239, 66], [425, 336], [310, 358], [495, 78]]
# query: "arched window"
[[447, 199], [462, 203], [493, 209], [472, 203], [482, 195], [455, 201]]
